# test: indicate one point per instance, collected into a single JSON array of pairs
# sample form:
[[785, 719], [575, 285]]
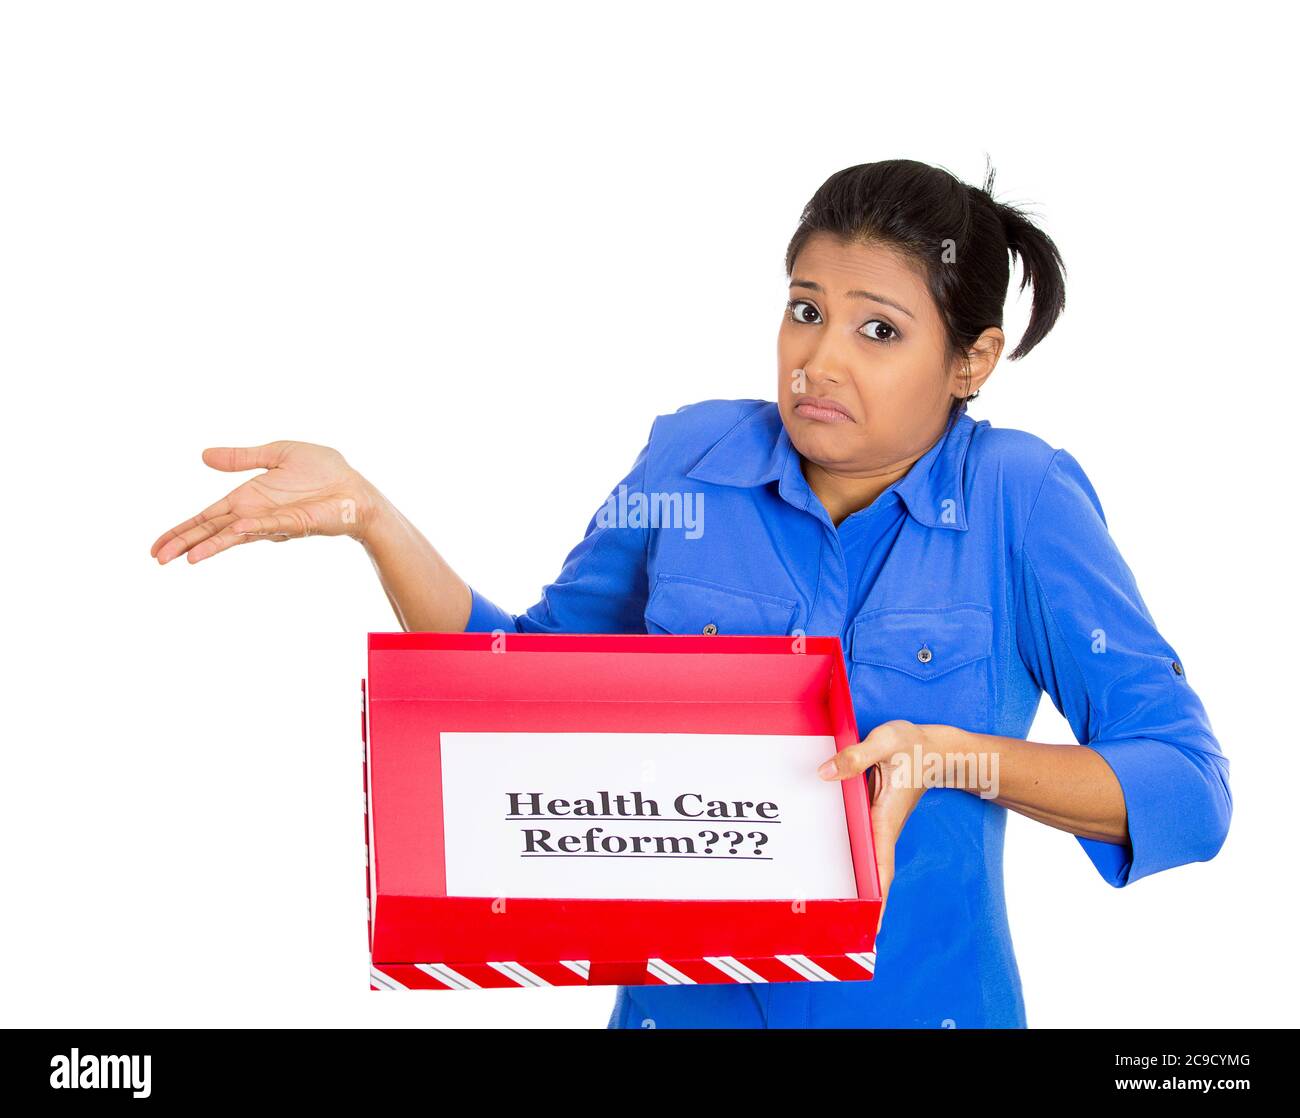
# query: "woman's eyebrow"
[[855, 294]]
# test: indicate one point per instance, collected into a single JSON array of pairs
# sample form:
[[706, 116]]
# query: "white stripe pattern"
[[734, 968], [521, 975], [384, 981], [865, 959], [667, 974], [446, 975], [806, 968]]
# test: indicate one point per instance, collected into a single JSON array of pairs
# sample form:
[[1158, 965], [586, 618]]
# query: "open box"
[[422, 686]]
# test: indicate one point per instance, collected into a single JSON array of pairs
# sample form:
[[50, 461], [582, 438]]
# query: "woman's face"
[[863, 382]]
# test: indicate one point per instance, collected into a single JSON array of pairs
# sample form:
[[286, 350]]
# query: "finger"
[[219, 508], [188, 539], [232, 459], [851, 760], [200, 531], [247, 530]]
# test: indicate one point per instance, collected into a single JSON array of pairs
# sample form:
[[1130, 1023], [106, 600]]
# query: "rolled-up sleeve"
[[601, 587], [1089, 641]]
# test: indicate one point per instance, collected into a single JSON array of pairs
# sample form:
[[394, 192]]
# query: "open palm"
[[307, 490]]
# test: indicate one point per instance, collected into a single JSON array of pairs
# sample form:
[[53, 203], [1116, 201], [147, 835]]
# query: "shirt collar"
[[758, 450]]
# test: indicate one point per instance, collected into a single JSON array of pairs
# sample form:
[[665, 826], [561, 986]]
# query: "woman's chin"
[[829, 450]]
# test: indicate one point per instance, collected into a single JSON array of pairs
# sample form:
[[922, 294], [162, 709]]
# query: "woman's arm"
[[1069, 787], [310, 490], [425, 593], [1086, 637]]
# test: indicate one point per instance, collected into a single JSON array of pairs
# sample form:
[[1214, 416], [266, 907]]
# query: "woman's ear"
[[979, 363]]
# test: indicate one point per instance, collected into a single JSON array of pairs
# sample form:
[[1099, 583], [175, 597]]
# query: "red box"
[[421, 684]]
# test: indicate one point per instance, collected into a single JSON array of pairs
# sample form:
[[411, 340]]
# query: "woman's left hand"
[[896, 752]]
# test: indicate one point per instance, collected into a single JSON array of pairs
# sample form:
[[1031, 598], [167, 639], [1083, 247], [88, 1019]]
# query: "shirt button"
[[925, 655], [710, 629], [1178, 668]]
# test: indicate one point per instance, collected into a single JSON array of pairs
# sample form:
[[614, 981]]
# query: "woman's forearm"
[[425, 593], [1069, 787]]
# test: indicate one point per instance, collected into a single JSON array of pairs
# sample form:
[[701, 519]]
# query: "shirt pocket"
[[684, 605], [926, 665]]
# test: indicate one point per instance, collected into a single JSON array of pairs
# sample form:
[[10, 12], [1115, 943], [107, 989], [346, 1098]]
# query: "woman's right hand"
[[307, 490]]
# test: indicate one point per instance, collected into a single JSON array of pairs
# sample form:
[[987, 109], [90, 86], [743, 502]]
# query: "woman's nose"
[[818, 374], [826, 363]]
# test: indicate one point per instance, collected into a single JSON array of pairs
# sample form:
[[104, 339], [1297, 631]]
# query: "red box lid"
[[422, 684]]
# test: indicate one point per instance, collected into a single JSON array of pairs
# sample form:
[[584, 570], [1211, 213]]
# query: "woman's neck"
[[844, 494]]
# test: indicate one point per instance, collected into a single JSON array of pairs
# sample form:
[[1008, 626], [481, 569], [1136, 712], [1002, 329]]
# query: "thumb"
[[232, 459]]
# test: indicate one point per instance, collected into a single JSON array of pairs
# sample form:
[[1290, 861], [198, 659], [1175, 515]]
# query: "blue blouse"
[[992, 552]]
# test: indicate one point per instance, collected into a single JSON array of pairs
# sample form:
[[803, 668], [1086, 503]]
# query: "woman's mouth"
[[821, 409]]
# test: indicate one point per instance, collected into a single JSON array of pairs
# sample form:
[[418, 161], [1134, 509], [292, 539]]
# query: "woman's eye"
[[879, 331], [803, 311]]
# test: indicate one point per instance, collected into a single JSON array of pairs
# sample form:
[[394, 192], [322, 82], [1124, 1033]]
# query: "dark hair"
[[956, 232]]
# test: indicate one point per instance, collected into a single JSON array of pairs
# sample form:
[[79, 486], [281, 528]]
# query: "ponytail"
[[1040, 265]]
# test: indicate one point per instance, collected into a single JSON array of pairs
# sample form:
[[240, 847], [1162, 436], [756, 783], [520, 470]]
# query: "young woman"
[[965, 568]]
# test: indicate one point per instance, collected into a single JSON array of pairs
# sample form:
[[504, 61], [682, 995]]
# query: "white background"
[[479, 250]]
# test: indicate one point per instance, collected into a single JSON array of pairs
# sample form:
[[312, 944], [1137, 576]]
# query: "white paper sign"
[[652, 816]]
